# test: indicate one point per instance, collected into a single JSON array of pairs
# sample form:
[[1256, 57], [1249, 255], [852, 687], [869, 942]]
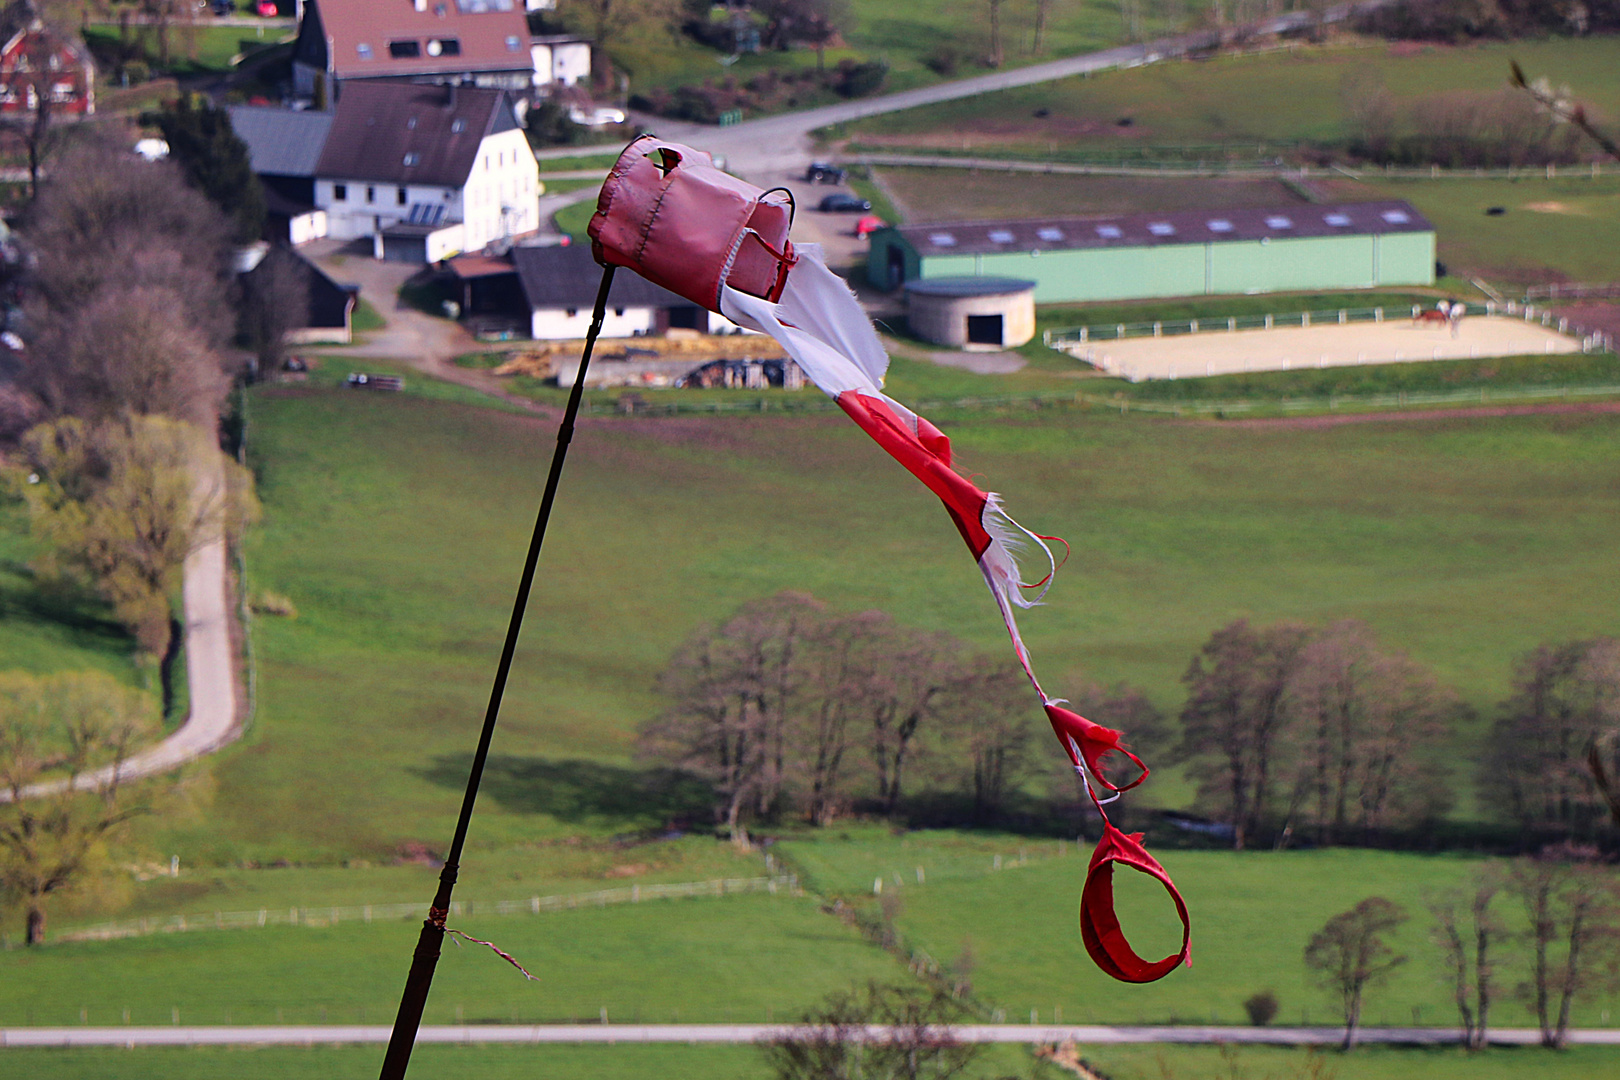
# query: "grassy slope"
[[1275, 98], [396, 525]]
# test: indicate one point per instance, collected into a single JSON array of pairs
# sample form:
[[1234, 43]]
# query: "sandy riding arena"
[[1218, 352]]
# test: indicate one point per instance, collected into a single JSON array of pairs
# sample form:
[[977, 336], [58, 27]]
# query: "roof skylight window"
[[1050, 235], [413, 158], [1220, 225], [1000, 236], [942, 239], [364, 50], [1162, 228], [1396, 217], [512, 43], [1109, 232], [457, 126], [1337, 220], [1277, 221]]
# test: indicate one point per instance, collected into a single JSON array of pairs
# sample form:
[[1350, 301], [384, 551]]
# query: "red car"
[[267, 9], [869, 225]]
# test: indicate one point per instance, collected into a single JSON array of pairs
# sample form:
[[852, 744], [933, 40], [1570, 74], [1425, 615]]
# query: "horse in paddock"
[[1431, 318]]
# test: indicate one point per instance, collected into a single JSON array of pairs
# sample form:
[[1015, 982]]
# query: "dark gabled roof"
[[406, 133], [490, 35], [568, 277], [1179, 227], [281, 142]]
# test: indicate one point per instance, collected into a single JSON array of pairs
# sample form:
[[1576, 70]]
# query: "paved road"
[[210, 669], [1027, 1034]]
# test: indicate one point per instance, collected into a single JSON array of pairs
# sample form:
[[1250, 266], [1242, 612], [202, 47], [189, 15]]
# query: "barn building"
[[1187, 253]]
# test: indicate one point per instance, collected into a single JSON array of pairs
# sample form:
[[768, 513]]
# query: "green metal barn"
[[1301, 247]]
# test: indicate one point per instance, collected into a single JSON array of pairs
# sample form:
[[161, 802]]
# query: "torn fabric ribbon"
[[666, 212]]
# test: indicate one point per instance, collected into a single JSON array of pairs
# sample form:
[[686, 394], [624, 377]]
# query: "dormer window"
[[364, 50], [404, 50], [444, 47]]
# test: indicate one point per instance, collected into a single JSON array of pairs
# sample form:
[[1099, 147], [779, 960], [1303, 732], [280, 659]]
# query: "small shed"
[[972, 312]]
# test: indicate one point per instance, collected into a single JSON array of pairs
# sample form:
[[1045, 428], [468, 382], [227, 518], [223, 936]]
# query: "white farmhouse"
[[427, 171], [560, 59]]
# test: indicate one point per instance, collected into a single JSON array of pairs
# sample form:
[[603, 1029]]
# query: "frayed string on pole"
[[426, 957]]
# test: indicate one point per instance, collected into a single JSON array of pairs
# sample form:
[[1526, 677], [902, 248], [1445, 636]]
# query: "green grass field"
[[1254, 105], [1253, 915], [197, 49]]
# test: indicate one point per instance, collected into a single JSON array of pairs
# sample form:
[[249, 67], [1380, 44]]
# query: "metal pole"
[[426, 956]]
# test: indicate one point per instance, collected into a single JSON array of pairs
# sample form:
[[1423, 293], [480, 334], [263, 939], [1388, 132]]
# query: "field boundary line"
[[332, 915]]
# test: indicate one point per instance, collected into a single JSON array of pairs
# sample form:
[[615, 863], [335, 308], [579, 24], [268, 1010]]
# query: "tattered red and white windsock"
[[669, 214]]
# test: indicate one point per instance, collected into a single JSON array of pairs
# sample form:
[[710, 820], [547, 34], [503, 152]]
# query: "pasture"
[[1255, 105]]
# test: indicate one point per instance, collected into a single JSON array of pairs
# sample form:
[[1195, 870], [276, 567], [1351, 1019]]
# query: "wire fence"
[[1609, 290], [366, 913], [1070, 340]]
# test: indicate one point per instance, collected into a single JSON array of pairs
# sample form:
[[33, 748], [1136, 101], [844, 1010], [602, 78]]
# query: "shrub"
[[1261, 1007]]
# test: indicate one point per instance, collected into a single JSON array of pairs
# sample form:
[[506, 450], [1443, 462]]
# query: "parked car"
[[267, 9], [224, 7], [868, 225], [841, 203], [596, 117], [820, 172]]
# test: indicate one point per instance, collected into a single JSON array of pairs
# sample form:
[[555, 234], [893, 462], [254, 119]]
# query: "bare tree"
[[905, 690], [1536, 762], [984, 722], [1564, 107], [1234, 719], [1366, 721], [1350, 953], [1574, 920], [1466, 929], [277, 303], [62, 728], [995, 57], [1123, 708], [1043, 9], [877, 1033], [732, 691], [836, 681]]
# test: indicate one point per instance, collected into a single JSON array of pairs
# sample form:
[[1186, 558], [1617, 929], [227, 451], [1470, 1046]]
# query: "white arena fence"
[[365, 913], [1075, 339], [1404, 399]]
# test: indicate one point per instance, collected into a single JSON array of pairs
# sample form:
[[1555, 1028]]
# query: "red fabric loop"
[[1099, 925], [1093, 741]]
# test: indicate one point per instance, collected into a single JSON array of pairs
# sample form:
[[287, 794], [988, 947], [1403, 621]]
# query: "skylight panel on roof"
[[1000, 236], [413, 158], [1219, 225], [942, 239], [1337, 220], [457, 126], [364, 50], [512, 43], [1108, 232], [1050, 235], [1396, 217], [1277, 221], [1161, 228], [480, 7]]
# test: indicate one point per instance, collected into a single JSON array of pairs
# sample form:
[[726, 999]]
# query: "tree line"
[[1291, 733], [111, 406], [1565, 937]]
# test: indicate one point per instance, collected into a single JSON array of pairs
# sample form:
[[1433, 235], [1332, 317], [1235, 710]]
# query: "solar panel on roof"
[[942, 239], [1049, 234], [1000, 236]]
